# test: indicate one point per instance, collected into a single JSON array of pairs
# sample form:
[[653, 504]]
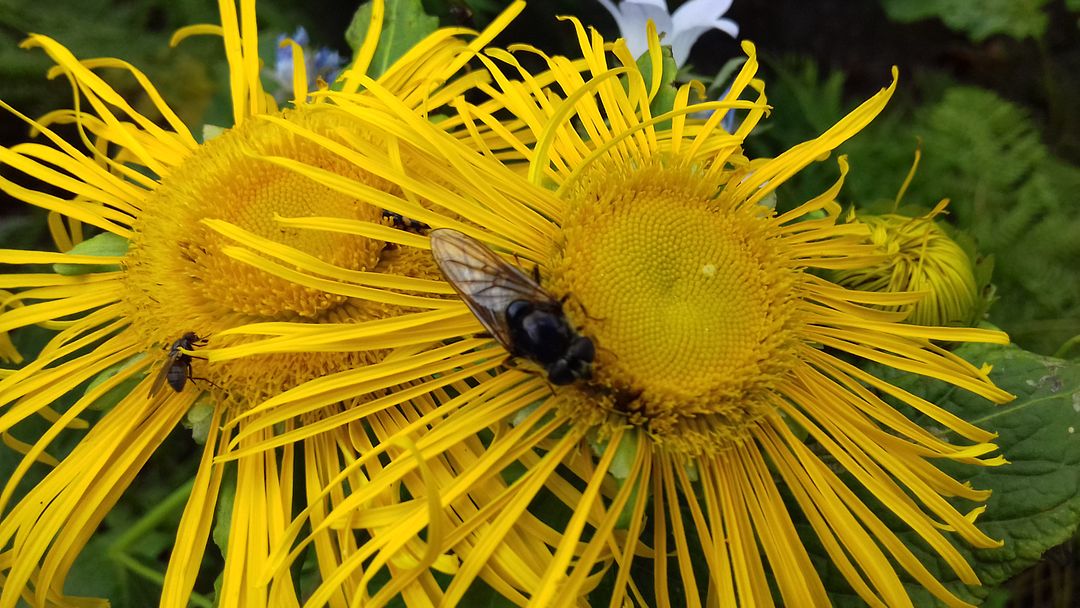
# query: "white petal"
[[620, 20], [614, 11], [641, 11], [657, 4], [684, 39], [697, 12], [727, 26], [631, 17]]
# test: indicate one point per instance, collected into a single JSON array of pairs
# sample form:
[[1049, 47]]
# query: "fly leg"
[[192, 378]]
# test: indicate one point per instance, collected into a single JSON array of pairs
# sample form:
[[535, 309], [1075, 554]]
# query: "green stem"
[[145, 525], [1067, 346], [150, 521]]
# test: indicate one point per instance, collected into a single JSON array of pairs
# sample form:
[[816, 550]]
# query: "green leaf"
[[1035, 503], [1036, 499], [96, 574], [620, 468], [404, 24], [979, 20], [105, 244], [720, 82]]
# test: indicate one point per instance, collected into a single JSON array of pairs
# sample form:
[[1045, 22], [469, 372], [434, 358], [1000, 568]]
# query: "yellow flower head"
[[195, 250], [918, 256], [723, 402]]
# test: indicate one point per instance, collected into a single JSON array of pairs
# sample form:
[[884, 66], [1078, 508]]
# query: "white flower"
[[680, 30]]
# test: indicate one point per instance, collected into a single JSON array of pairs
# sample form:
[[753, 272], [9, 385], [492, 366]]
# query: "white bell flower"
[[681, 29]]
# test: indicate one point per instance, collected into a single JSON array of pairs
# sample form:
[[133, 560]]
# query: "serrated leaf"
[[1035, 504], [105, 244], [404, 24], [979, 20], [1036, 498]]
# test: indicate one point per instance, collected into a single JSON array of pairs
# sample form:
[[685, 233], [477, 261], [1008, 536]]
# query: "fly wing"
[[159, 380], [486, 283]]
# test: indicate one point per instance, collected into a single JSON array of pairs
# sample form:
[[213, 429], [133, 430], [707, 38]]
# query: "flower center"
[[181, 278], [684, 293], [223, 181]]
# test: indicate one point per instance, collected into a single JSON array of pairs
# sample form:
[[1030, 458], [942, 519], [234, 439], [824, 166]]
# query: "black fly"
[[461, 14], [403, 223], [177, 368], [524, 318]]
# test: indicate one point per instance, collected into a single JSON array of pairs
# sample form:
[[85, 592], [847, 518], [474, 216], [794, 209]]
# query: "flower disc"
[[183, 275], [684, 292]]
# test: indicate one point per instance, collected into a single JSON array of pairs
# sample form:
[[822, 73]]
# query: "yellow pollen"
[[685, 295]]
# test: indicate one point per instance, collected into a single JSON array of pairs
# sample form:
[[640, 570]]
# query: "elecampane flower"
[[195, 247], [724, 404], [918, 256]]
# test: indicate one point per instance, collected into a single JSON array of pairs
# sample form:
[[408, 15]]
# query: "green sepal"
[[621, 464], [664, 101], [199, 418], [210, 131], [224, 510]]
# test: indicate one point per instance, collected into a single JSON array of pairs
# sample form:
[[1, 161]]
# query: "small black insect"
[[177, 368], [524, 318], [403, 223], [461, 14]]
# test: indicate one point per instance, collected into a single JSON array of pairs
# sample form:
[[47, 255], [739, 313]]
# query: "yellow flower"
[[723, 404], [189, 243], [918, 256]]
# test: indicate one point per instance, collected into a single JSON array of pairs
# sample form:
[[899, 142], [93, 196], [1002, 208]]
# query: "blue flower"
[[323, 62]]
